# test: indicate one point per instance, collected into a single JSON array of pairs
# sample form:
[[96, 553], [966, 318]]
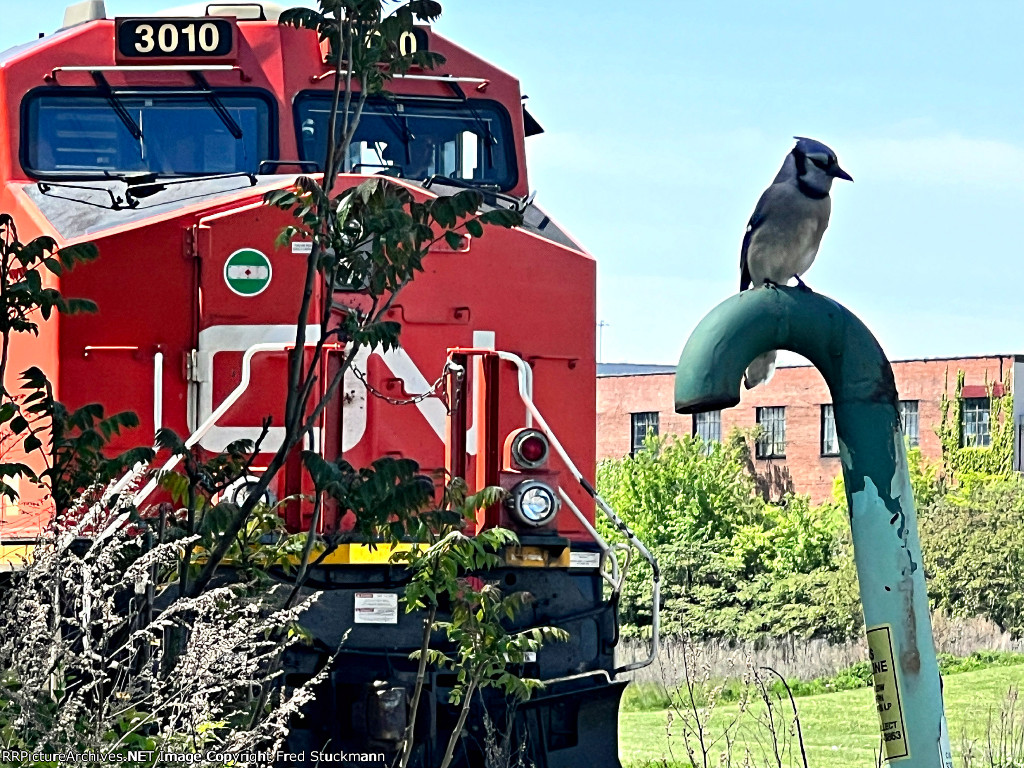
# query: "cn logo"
[[242, 338]]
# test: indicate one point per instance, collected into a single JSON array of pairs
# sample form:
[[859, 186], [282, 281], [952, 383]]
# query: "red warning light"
[[526, 449], [533, 448]]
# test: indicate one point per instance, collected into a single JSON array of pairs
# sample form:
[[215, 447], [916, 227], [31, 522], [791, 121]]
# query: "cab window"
[[86, 133], [470, 140]]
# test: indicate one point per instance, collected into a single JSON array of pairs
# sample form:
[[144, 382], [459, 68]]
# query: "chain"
[[438, 389]]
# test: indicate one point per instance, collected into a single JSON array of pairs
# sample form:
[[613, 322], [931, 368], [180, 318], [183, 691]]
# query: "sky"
[[664, 121]]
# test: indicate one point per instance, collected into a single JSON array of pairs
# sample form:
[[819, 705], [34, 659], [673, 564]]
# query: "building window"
[[708, 427], [908, 417], [975, 422], [641, 424], [772, 442], [829, 439]]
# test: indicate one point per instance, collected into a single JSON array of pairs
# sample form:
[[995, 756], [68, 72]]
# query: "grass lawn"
[[840, 729]]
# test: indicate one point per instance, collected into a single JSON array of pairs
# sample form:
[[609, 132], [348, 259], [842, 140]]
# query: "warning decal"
[[376, 608], [887, 693]]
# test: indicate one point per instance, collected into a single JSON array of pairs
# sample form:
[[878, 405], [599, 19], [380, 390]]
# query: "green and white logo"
[[247, 272]]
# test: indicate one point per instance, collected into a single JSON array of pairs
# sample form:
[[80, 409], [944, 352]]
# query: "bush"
[[732, 565], [681, 488], [973, 548]]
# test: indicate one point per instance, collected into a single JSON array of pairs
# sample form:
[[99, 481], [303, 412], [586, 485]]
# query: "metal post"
[[908, 690]]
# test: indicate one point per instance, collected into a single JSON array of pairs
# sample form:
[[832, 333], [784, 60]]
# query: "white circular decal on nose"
[[247, 272]]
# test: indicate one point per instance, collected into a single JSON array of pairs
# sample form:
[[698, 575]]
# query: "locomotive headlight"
[[534, 503]]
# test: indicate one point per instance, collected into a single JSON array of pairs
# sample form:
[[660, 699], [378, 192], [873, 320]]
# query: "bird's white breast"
[[786, 244]]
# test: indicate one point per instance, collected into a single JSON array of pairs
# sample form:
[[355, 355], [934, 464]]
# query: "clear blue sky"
[[665, 120]]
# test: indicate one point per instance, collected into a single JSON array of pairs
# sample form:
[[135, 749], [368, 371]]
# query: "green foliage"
[[736, 566], [437, 570], [732, 565], [203, 515], [679, 489], [973, 548], [72, 444], [926, 479], [390, 499], [484, 648], [23, 270], [77, 443], [965, 464], [790, 538], [72, 457], [950, 664], [368, 41]]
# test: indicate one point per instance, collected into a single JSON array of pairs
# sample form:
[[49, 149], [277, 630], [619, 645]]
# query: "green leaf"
[[474, 227], [455, 240], [501, 217], [80, 253], [303, 18], [443, 212], [7, 411]]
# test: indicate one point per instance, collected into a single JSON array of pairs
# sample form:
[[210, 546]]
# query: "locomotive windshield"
[[92, 133], [469, 140]]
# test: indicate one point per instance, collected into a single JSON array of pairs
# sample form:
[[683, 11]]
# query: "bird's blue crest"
[[812, 146]]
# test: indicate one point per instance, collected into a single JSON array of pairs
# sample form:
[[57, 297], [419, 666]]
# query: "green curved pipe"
[[908, 690]]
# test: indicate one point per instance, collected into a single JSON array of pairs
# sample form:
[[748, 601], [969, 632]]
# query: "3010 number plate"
[[191, 39]]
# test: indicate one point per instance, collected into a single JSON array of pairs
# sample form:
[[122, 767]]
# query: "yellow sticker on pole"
[[887, 693]]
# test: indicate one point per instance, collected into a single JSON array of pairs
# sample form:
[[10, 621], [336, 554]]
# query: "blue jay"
[[784, 233]]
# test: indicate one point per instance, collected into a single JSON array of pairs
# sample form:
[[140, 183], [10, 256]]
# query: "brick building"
[[798, 449]]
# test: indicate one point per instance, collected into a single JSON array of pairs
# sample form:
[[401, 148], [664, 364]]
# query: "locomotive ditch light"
[[527, 449], [533, 503]]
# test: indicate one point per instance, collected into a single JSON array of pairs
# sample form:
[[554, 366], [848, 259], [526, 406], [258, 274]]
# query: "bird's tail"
[[760, 371]]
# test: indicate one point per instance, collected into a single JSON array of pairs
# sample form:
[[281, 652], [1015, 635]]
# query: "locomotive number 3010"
[[174, 38]]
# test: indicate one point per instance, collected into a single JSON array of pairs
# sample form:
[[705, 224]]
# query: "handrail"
[[52, 76], [526, 395], [480, 82], [220, 410], [158, 392], [195, 437], [607, 553]]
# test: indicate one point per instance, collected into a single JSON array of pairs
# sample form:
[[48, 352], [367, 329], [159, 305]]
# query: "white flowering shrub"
[[101, 655]]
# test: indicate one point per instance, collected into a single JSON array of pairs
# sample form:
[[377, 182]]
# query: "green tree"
[[972, 543], [373, 237], [681, 489], [732, 564]]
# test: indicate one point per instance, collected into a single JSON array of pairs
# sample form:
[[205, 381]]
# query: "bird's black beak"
[[839, 173]]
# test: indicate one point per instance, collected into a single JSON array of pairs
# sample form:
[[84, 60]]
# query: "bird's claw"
[[770, 284]]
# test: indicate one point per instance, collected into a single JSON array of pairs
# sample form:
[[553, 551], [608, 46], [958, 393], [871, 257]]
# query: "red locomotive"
[[156, 138]]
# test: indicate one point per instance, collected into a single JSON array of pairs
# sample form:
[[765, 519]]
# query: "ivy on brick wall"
[[962, 463]]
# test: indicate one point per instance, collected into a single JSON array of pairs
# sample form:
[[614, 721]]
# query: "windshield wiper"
[[401, 123], [488, 137], [117, 106], [218, 106], [148, 184]]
